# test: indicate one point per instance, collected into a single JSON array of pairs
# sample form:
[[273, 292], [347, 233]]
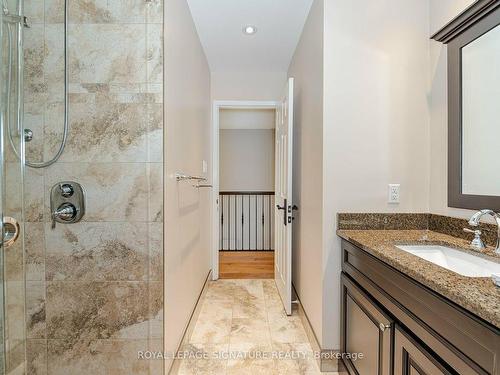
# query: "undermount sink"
[[457, 261]]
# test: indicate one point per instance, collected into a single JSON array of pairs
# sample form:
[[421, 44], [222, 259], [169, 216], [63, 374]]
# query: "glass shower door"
[[12, 275]]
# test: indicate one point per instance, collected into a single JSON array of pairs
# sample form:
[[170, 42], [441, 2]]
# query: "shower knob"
[[67, 203], [28, 135], [66, 190], [66, 212]]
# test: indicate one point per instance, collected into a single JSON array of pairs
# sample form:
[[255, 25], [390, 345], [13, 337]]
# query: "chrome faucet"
[[474, 222]]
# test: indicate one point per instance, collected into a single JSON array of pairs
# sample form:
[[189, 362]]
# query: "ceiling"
[[279, 25]]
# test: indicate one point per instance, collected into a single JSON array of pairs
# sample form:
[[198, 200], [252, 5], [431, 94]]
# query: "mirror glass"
[[481, 115]]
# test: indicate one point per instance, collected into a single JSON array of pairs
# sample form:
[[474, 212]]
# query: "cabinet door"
[[367, 330], [411, 359]]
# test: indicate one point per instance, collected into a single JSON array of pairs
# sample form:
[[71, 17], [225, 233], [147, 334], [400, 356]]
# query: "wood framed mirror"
[[473, 41]]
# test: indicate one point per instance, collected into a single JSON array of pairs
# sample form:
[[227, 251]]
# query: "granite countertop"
[[476, 294]]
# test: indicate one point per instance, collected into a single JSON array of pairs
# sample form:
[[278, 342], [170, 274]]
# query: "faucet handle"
[[477, 243], [477, 232]]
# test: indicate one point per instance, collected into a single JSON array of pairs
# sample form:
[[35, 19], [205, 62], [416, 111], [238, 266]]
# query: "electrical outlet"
[[393, 193]]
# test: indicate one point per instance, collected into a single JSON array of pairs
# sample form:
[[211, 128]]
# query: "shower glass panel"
[[82, 297], [12, 275]]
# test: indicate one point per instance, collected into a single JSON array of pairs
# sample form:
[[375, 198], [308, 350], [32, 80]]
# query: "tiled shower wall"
[[94, 289]]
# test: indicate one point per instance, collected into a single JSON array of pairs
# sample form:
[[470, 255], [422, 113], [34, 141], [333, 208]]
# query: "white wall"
[[246, 160], [187, 141], [240, 118], [376, 121], [307, 69], [247, 85], [441, 12]]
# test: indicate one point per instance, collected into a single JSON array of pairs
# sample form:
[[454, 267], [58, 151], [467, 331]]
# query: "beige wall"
[[441, 12], [247, 85], [376, 121], [307, 69], [246, 160], [187, 121]]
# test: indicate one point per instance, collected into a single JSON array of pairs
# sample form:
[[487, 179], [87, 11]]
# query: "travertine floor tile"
[[245, 321]]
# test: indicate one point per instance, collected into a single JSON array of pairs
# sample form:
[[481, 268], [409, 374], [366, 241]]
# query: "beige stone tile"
[[251, 359], [14, 310], [156, 253], [115, 191], [34, 10], [248, 290], [54, 62], [220, 290], [79, 312], [14, 200], [213, 324], [287, 329], [34, 243], [275, 309], [156, 366], [13, 261], [203, 360], [33, 195], [97, 357], [218, 309], [15, 357], [249, 330], [103, 132], [36, 357], [249, 309], [33, 120], [97, 11], [34, 54], [35, 310], [155, 132], [295, 359], [119, 56], [97, 252], [155, 192], [155, 11], [154, 53], [156, 310]]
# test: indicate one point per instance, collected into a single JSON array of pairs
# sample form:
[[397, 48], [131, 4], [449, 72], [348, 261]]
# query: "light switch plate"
[[393, 193]]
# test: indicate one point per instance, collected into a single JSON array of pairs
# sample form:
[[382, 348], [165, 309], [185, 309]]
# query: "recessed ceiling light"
[[249, 30]]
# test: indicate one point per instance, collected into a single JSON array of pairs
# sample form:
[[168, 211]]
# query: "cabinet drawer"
[[366, 329], [411, 359]]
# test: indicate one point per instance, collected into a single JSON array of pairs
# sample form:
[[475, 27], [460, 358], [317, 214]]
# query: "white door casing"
[[283, 197]]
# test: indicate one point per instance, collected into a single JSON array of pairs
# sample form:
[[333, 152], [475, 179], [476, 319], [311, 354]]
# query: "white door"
[[283, 199]]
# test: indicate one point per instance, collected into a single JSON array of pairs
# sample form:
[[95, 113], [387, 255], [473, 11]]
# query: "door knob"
[[11, 230], [280, 207]]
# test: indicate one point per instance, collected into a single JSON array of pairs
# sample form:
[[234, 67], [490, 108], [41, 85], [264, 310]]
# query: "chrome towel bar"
[[185, 177]]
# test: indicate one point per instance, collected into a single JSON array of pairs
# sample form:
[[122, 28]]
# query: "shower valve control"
[[67, 203], [66, 190]]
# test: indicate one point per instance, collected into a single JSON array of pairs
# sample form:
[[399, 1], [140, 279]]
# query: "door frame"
[[216, 107]]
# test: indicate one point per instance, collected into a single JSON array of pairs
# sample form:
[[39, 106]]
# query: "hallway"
[[243, 324]]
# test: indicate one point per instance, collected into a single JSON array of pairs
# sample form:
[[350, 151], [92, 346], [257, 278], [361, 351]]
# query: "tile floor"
[[242, 329]]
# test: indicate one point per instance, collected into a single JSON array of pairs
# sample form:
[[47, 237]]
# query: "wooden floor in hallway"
[[246, 264], [242, 329]]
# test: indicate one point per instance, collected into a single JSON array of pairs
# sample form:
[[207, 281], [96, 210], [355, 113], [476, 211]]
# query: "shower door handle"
[[11, 230]]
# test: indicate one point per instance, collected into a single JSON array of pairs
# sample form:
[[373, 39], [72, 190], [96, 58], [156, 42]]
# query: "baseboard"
[[191, 323], [327, 361]]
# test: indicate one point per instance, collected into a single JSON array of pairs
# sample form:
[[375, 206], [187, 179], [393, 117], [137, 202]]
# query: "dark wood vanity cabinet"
[[411, 359], [368, 330], [404, 328]]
